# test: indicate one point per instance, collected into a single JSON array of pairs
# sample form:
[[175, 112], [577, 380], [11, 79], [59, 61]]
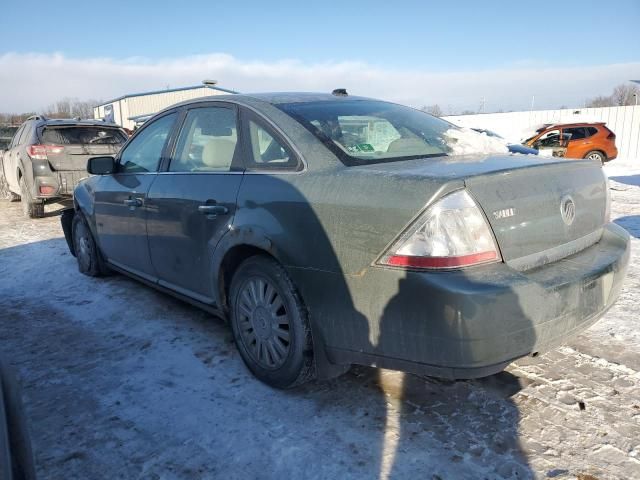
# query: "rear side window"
[[591, 131], [268, 152], [24, 136], [82, 136], [207, 141], [16, 137], [576, 133], [144, 151]]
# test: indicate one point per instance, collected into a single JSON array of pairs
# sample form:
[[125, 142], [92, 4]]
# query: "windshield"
[[360, 132], [82, 135]]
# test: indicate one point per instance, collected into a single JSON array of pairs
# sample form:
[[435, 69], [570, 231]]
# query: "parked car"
[[371, 244], [576, 140], [6, 134], [47, 158], [513, 147]]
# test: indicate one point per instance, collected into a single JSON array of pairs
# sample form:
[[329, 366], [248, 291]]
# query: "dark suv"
[[48, 157]]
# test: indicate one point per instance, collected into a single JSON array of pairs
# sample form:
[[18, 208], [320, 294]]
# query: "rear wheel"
[[269, 323], [89, 259], [596, 155], [30, 207]]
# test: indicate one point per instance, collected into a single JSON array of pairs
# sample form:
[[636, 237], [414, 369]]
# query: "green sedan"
[[332, 230]]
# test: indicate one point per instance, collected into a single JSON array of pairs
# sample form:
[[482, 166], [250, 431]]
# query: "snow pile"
[[464, 141]]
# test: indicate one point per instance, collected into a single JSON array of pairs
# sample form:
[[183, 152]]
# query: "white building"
[[131, 109]]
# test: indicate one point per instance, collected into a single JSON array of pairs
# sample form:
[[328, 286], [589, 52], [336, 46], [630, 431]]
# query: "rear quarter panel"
[[339, 220]]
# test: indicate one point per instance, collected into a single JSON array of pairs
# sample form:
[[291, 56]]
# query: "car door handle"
[[133, 202], [213, 209]]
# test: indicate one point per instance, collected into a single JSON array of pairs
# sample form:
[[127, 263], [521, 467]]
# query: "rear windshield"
[[82, 135], [360, 132]]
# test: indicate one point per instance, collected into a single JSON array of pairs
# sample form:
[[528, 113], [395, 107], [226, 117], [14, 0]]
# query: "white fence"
[[623, 121]]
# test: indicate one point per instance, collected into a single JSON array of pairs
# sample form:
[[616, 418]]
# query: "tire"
[[596, 155], [5, 193], [90, 261], [30, 208], [270, 324]]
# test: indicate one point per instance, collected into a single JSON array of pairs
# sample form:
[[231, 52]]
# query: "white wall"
[[623, 121]]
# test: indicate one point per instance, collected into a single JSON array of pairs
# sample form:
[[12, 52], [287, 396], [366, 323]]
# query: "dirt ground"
[[123, 382]]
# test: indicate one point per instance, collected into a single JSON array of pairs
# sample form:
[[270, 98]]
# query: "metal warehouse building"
[[134, 108]]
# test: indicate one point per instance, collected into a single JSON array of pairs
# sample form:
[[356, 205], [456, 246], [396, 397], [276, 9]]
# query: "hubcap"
[[594, 156], [83, 250], [263, 322]]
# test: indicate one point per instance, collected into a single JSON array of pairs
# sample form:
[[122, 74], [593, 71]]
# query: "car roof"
[[76, 122], [576, 124], [273, 98]]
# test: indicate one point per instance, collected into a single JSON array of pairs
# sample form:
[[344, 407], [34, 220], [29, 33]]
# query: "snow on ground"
[[123, 382]]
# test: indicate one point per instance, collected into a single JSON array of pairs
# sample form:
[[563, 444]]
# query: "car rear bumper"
[[59, 183], [468, 323]]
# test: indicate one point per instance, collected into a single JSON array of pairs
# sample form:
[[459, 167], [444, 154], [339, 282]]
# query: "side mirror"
[[101, 165]]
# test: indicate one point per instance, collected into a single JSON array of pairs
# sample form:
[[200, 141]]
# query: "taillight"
[[40, 152], [452, 233], [47, 190], [611, 136]]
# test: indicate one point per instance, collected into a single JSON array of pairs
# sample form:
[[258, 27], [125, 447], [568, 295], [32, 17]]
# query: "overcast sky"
[[416, 53]]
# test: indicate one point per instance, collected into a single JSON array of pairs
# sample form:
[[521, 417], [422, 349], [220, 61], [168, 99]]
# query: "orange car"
[[575, 140]]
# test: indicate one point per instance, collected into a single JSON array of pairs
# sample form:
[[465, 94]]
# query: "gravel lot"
[[123, 382]]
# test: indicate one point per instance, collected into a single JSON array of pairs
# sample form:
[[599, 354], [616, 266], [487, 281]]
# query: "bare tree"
[[434, 110], [71, 108], [624, 94], [600, 101]]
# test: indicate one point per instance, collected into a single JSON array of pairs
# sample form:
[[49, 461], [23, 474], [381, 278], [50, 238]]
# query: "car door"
[[192, 203], [120, 198], [577, 141], [10, 162]]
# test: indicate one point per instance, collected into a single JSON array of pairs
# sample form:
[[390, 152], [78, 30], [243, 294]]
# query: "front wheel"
[[90, 261], [5, 192], [270, 324], [596, 155]]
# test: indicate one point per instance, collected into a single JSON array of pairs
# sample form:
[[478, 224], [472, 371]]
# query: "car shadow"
[[631, 223], [56, 209], [627, 179], [380, 423]]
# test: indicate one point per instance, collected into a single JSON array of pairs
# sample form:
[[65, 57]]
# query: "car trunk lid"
[[521, 196], [542, 208]]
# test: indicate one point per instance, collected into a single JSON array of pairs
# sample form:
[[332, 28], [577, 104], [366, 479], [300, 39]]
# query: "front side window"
[[549, 139], [268, 152], [145, 150], [368, 131], [207, 141]]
